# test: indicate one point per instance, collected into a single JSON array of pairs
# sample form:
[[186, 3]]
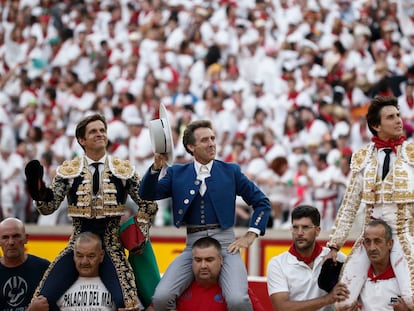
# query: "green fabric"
[[126, 224], [147, 274]]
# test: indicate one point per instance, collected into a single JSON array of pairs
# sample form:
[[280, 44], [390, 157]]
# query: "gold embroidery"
[[121, 168], [395, 188], [98, 211], [408, 152], [359, 158], [70, 168]]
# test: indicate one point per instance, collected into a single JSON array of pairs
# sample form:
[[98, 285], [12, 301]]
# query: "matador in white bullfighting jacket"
[[390, 199]]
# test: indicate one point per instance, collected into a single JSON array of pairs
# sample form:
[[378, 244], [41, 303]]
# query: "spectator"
[[203, 214], [289, 45], [13, 189], [291, 275], [314, 129], [184, 96], [277, 183], [205, 292], [303, 184], [100, 215], [406, 104], [324, 194], [139, 144], [343, 173], [19, 272]]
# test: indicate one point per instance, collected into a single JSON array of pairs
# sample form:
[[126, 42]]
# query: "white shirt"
[[87, 294], [285, 273], [198, 166], [375, 296]]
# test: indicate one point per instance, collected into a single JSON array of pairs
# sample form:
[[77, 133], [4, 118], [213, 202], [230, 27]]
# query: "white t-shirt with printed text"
[[87, 294]]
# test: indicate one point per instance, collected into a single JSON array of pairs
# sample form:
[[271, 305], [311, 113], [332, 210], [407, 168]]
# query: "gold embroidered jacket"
[[366, 186], [73, 180]]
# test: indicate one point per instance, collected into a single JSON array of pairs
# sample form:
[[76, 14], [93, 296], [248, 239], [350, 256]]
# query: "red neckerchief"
[[31, 118], [309, 124], [387, 274], [115, 146], [385, 93], [52, 104], [349, 96], [293, 95], [387, 44], [291, 132], [47, 119], [284, 76], [362, 129], [32, 90], [410, 101], [327, 117], [379, 143], [267, 148], [316, 252]]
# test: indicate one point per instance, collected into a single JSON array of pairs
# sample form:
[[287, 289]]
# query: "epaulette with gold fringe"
[[360, 158], [121, 168], [70, 168], [408, 152]]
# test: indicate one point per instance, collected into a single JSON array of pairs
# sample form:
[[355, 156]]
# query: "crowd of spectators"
[[286, 84]]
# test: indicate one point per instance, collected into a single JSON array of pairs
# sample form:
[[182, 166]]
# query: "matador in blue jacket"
[[203, 196]]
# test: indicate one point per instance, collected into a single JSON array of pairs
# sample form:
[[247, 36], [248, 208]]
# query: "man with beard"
[[292, 276]]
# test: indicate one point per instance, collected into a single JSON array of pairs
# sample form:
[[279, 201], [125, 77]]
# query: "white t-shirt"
[[285, 273], [87, 294], [376, 296]]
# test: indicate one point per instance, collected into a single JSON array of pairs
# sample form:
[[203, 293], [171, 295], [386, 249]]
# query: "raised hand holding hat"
[[161, 135], [34, 178]]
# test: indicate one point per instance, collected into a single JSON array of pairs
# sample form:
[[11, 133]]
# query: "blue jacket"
[[225, 183]]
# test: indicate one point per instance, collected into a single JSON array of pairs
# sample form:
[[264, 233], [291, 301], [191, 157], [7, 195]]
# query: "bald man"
[[20, 273]]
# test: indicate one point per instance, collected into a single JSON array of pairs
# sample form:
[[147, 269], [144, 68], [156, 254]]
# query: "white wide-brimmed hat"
[[161, 135]]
